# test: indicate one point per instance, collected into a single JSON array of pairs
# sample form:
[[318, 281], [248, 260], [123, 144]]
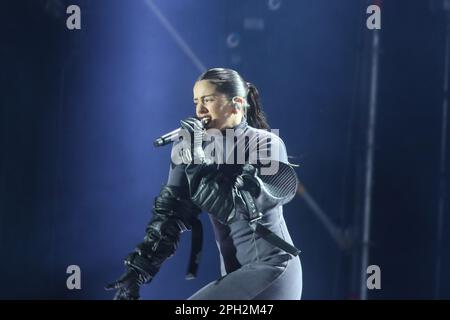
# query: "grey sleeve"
[[277, 178]]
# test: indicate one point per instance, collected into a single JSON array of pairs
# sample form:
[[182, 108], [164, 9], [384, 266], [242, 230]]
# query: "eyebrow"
[[208, 95]]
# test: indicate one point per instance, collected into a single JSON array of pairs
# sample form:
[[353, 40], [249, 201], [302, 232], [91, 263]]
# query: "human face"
[[214, 105]]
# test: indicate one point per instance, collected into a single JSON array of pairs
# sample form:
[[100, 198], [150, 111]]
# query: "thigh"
[[255, 281], [288, 286]]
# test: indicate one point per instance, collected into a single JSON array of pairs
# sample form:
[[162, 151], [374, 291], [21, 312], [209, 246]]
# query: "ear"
[[234, 109], [238, 102]]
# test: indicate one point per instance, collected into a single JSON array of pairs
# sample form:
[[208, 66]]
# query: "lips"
[[205, 120]]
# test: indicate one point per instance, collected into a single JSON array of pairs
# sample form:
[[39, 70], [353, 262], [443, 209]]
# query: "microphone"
[[173, 135]]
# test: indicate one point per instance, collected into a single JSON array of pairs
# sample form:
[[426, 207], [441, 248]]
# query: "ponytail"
[[255, 115]]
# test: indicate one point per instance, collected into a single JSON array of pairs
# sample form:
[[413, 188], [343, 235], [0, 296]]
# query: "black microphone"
[[173, 135]]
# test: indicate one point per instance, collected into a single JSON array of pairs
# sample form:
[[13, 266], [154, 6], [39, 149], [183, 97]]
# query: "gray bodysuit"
[[251, 267]]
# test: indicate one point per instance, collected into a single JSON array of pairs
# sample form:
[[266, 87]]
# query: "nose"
[[201, 110]]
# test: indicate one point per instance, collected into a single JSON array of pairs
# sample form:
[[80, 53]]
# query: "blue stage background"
[[81, 108]]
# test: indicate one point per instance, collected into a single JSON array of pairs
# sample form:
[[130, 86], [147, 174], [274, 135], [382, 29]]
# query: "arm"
[[271, 182], [173, 213], [267, 176]]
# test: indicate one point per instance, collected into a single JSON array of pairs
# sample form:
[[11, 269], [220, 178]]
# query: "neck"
[[238, 125], [236, 120]]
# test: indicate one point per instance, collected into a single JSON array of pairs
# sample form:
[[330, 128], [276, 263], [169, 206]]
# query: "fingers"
[[188, 124], [120, 295], [185, 125], [123, 294], [192, 124], [114, 285]]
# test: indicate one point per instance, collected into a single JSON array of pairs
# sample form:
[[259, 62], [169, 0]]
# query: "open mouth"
[[205, 121]]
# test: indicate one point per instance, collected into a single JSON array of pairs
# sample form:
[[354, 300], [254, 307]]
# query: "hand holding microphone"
[[192, 148], [191, 124], [196, 131]]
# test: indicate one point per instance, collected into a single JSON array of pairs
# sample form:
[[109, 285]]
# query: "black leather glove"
[[173, 214], [194, 153], [218, 191], [127, 286]]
